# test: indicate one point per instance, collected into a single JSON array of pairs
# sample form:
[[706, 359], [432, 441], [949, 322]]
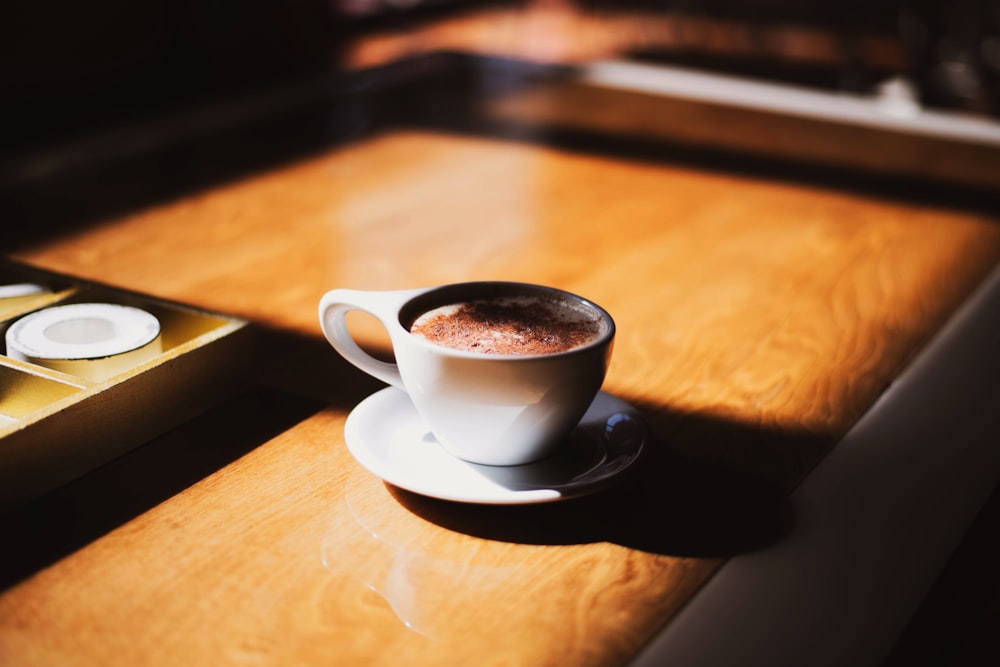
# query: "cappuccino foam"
[[520, 325]]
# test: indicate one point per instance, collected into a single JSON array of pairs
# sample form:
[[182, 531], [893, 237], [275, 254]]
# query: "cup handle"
[[383, 305]]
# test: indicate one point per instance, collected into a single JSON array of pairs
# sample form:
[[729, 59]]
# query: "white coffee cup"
[[493, 409]]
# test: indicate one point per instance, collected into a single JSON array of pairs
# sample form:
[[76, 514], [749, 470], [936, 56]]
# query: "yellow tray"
[[54, 426]]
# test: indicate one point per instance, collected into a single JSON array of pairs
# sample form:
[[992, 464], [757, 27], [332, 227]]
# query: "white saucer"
[[387, 436]]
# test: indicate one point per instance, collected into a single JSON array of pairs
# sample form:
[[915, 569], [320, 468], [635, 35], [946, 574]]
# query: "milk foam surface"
[[515, 325]]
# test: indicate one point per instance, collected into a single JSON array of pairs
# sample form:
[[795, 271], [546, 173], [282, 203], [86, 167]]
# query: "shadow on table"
[[291, 387], [669, 504]]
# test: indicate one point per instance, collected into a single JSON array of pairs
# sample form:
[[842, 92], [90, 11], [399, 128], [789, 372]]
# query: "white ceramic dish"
[[386, 435]]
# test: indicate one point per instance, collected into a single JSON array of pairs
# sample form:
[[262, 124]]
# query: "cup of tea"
[[500, 372]]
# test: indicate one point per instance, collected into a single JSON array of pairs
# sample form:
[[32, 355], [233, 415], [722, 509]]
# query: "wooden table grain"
[[757, 320]]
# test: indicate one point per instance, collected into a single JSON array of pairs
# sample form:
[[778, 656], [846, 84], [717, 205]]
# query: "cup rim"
[[441, 295]]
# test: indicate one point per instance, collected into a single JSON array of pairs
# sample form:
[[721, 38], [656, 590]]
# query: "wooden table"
[[757, 320]]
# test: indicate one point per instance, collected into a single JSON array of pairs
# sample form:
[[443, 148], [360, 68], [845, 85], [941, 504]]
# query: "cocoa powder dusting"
[[505, 328]]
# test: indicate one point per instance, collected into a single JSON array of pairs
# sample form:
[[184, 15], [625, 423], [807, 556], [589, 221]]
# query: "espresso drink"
[[519, 325]]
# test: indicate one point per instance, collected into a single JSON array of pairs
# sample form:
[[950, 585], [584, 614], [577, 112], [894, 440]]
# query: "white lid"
[[81, 331]]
